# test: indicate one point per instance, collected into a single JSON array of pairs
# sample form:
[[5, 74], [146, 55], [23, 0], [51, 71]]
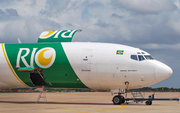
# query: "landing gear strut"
[[119, 99]]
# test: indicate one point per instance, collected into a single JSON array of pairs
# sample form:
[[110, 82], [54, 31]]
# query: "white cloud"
[[145, 6], [161, 46], [175, 24], [97, 19]]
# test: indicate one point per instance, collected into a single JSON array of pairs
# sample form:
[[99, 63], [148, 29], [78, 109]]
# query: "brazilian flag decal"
[[120, 52]]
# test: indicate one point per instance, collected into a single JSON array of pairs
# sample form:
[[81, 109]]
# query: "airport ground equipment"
[[139, 94], [137, 97], [42, 94], [119, 99], [151, 98]]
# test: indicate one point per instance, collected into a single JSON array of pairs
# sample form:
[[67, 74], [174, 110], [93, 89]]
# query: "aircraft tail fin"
[[57, 36]]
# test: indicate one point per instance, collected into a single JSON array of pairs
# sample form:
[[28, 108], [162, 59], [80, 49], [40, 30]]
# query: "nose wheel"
[[118, 99]]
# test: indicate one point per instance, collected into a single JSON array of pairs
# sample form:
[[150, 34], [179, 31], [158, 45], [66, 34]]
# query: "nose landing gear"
[[119, 99]]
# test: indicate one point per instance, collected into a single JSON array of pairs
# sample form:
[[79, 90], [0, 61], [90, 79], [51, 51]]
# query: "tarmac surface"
[[83, 102]]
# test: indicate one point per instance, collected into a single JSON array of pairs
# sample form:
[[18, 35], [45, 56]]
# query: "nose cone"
[[162, 71]]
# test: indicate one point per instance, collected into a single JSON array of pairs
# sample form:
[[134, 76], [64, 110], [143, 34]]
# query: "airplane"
[[57, 62]]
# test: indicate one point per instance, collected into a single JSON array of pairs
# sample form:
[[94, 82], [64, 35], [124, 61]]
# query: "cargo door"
[[37, 79]]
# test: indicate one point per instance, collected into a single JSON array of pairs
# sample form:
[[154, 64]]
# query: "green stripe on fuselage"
[[60, 74]]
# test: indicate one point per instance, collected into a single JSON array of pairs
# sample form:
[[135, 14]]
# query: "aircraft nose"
[[162, 71]]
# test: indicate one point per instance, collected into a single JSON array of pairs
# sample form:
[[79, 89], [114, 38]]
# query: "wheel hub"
[[116, 100]]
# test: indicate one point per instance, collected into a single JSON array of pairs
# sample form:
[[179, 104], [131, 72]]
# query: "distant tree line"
[[145, 89], [160, 89]]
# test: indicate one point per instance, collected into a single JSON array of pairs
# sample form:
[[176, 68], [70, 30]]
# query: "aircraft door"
[[88, 68], [86, 60], [37, 79]]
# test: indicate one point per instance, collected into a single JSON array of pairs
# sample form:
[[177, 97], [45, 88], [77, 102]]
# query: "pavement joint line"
[[58, 108], [51, 108], [122, 106], [67, 108]]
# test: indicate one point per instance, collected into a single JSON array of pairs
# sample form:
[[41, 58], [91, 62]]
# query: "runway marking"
[[104, 110]]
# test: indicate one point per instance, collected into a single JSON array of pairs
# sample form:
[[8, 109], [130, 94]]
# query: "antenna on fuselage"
[[19, 41]]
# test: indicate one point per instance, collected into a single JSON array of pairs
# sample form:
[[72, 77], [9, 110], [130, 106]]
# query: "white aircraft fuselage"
[[97, 66]]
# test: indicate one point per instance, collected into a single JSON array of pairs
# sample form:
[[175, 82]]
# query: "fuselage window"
[[141, 57], [149, 57], [134, 57]]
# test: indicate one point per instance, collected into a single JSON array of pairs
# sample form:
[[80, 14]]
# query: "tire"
[[117, 100], [122, 99], [148, 102]]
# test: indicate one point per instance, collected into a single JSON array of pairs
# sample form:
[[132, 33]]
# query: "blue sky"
[[152, 25]]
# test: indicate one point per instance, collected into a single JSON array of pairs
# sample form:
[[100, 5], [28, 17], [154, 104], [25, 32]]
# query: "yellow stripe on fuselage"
[[11, 66]]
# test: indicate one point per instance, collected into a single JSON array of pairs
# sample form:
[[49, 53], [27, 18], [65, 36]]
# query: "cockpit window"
[[134, 57], [141, 57], [149, 57]]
